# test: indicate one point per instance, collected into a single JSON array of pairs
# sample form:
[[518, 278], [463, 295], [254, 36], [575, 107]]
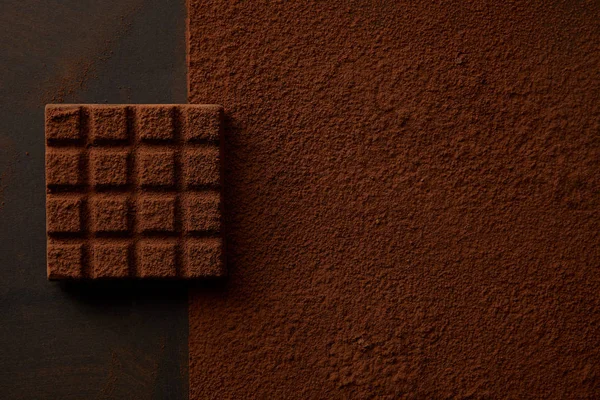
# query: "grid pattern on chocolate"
[[133, 191]]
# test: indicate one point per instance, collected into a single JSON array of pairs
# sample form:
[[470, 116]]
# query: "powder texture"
[[411, 199]]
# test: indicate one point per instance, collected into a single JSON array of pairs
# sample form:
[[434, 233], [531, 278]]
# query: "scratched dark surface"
[[92, 341]]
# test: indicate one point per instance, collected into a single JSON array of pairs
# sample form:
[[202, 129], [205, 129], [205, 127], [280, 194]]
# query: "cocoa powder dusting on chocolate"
[[412, 197], [130, 192]]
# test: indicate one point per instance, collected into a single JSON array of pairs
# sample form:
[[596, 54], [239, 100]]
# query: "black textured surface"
[[112, 340]]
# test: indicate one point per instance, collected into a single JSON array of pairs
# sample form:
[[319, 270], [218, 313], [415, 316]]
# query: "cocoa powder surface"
[[411, 199]]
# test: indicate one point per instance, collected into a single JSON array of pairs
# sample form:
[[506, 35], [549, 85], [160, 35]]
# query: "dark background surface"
[[91, 341]]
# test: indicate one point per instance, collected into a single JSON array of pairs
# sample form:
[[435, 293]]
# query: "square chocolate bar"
[[133, 191]]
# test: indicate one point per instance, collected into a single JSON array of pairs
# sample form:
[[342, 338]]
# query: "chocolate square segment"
[[156, 213], [202, 212], [157, 258], [64, 167], [63, 214], [110, 260], [202, 123], [203, 257], [201, 167], [65, 261], [155, 123], [156, 168], [109, 213], [108, 123], [109, 167], [133, 191], [63, 122]]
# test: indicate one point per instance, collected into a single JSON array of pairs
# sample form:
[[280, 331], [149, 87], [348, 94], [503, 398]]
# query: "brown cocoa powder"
[[412, 197]]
